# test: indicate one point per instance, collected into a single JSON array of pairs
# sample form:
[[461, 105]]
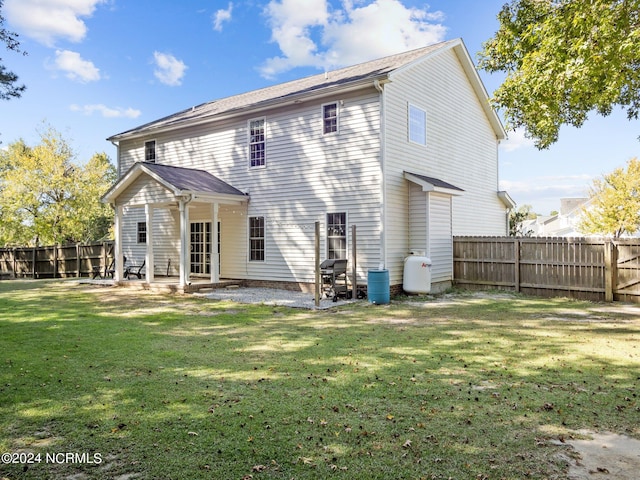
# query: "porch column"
[[214, 259], [148, 259], [184, 242], [117, 252]]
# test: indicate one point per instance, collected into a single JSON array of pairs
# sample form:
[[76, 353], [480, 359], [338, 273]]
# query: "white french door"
[[201, 248]]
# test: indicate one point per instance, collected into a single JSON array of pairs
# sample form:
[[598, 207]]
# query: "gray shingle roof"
[[315, 83], [436, 182], [191, 180]]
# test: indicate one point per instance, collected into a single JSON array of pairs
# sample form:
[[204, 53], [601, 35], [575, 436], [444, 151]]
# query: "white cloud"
[[75, 67], [318, 37], [516, 141], [545, 192], [106, 112], [47, 20], [169, 70], [222, 16]]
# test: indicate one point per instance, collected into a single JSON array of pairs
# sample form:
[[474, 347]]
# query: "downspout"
[[383, 224]]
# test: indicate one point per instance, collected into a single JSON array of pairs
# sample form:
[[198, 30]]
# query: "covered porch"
[[164, 214]]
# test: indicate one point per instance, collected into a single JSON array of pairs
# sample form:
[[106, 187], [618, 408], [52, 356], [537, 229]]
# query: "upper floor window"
[[337, 235], [417, 125], [257, 147], [150, 151], [330, 118]]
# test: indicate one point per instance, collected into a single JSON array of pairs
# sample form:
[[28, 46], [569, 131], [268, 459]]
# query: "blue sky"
[[99, 67]]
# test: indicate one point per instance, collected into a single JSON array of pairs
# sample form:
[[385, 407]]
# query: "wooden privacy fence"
[[584, 268], [55, 261]]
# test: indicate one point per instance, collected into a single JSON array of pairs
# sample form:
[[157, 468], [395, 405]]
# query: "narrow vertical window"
[[257, 148], [150, 151], [256, 239], [417, 125], [330, 118], [337, 235], [142, 232]]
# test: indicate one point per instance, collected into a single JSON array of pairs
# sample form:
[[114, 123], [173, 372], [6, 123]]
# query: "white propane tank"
[[417, 273]]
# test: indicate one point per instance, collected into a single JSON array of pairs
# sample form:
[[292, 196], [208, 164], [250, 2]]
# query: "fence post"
[[609, 270], [33, 267], [516, 265], [78, 262], [55, 261]]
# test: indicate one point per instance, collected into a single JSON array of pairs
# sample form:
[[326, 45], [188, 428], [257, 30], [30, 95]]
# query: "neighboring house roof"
[[430, 184], [181, 181], [342, 79]]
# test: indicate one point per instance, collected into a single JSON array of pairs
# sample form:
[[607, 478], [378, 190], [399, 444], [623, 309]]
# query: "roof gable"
[[180, 181]]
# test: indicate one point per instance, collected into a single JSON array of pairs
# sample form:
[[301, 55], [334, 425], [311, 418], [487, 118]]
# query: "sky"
[[95, 68]]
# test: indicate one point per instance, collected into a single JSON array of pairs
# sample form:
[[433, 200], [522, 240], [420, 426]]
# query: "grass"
[[182, 387]]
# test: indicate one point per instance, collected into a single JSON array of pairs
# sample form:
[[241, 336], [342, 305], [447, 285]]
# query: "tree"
[[614, 205], [516, 219], [8, 80], [47, 199], [564, 59]]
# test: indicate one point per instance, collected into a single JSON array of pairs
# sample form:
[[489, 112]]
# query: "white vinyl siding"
[[308, 175], [440, 237], [462, 150], [430, 230]]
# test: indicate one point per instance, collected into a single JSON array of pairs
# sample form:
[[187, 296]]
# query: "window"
[[142, 232], [257, 143], [337, 235], [417, 125], [150, 151], [256, 239], [330, 118]]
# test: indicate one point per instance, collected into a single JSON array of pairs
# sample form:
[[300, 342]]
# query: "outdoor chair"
[[334, 278], [108, 271], [136, 270]]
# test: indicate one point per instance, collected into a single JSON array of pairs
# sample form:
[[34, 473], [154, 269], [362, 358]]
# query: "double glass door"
[[201, 248]]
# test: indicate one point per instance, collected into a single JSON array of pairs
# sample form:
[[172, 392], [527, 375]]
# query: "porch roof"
[[431, 184], [180, 181]]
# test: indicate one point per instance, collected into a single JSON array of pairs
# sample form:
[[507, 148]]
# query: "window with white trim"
[[257, 145], [330, 118], [337, 235], [142, 232], [150, 151], [417, 125], [256, 239]]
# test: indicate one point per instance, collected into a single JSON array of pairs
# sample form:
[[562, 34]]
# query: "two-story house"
[[404, 147]]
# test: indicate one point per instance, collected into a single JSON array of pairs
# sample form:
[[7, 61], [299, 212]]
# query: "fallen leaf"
[[193, 434], [258, 468], [407, 444]]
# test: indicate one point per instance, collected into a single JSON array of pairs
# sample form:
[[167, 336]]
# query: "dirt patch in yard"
[[604, 455]]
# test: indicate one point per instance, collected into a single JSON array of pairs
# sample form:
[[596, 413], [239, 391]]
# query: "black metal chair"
[[334, 278], [136, 270]]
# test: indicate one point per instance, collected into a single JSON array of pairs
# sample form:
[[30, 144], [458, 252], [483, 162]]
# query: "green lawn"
[[141, 386]]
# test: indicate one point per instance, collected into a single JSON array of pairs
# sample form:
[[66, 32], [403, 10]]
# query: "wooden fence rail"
[[55, 261], [584, 268]]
